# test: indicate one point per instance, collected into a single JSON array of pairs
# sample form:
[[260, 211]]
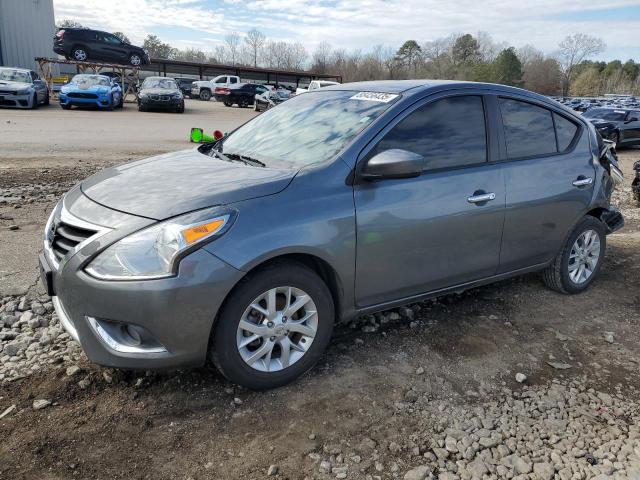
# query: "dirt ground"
[[459, 353]]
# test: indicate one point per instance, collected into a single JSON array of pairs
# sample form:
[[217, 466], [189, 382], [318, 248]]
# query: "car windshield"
[[12, 75], [308, 128], [90, 80], [605, 114], [159, 83], [282, 94]]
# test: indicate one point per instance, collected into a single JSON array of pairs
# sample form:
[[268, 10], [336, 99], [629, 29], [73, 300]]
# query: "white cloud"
[[361, 24]]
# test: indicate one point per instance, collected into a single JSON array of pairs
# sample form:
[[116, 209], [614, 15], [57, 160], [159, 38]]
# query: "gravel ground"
[[504, 381]]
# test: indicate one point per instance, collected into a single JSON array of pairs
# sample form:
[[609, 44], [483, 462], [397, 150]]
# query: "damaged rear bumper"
[[612, 219]]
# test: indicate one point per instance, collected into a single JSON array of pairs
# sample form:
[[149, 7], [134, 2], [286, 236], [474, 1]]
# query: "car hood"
[[12, 85], [601, 122], [159, 91], [167, 185], [85, 88]]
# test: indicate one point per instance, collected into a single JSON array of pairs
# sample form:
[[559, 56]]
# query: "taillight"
[[60, 34], [222, 90]]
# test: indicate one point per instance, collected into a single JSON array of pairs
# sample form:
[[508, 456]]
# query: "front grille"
[[162, 98], [81, 95], [67, 237]]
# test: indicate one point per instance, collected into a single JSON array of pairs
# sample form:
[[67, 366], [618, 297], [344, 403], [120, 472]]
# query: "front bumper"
[[161, 104], [16, 100], [175, 314], [101, 101]]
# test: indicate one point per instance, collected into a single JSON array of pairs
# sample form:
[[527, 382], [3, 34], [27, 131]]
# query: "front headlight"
[[155, 252]]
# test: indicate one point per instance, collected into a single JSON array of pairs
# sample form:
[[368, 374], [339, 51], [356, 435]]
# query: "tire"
[[224, 349], [65, 107], [243, 103], [228, 104], [79, 54], [34, 101], [47, 100], [205, 95], [557, 275], [135, 60], [141, 108], [111, 105], [255, 107], [180, 109]]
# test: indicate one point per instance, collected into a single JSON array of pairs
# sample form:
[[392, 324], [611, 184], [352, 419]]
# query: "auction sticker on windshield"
[[374, 96]]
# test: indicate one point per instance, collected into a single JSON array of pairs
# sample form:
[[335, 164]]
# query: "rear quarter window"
[[528, 129], [566, 131]]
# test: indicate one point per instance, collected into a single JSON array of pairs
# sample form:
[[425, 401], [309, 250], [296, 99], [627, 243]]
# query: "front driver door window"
[[422, 234]]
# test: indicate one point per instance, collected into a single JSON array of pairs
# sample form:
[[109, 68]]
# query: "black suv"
[[82, 44]]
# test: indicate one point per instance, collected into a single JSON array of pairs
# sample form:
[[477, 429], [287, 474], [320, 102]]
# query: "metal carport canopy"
[[172, 67]]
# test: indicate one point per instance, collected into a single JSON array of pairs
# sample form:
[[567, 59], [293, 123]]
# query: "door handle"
[[481, 198], [582, 181]]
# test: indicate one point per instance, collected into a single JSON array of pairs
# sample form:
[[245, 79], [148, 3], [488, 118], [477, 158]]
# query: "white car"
[[316, 84], [204, 89], [22, 88]]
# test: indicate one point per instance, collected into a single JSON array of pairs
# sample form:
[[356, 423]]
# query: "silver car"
[[22, 88], [343, 201]]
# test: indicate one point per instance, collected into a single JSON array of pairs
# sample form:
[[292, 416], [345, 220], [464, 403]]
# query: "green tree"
[[631, 69], [156, 48], [508, 68], [484, 72], [466, 50], [410, 54], [122, 37]]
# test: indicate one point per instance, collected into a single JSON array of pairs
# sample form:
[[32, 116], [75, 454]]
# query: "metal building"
[[27, 28]]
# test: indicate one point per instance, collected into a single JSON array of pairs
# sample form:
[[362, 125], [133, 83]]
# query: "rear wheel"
[[273, 327], [244, 103], [135, 59], [79, 54], [580, 259], [228, 104], [205, 95]]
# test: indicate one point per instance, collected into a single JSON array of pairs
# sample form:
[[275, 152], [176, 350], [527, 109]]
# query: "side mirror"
[[394, 163]]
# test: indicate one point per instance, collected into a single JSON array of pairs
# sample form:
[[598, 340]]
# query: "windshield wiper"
[[246, 160]]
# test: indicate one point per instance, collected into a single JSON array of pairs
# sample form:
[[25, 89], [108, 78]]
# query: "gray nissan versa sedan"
[[338, 202]]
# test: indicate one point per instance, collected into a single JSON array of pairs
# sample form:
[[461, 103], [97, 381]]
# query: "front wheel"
[[273, 327], [205, 95], [580, 259]]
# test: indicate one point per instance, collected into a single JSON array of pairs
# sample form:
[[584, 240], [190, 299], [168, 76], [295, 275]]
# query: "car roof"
[[17, 69], [421, 86]]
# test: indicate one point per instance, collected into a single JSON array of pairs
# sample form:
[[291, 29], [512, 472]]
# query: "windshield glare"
[[605, 114], [11, 75], [91, 80], [159, 83], [306, 129]]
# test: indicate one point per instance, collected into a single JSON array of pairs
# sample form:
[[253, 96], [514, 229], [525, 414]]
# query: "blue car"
[[91, 90]]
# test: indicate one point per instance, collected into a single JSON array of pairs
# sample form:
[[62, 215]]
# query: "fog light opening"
[[134, 335]]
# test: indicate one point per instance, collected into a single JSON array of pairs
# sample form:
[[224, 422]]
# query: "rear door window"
[[448, 133], [528, 129], [565, 131], [233, 80]]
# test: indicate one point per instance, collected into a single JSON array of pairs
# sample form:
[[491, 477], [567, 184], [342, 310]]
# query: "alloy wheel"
[[277, 329], [135, 60], [80, 55], [584, 256]]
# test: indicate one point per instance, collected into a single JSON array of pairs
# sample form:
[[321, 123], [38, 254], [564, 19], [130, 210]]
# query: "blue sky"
[[361, 24]]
